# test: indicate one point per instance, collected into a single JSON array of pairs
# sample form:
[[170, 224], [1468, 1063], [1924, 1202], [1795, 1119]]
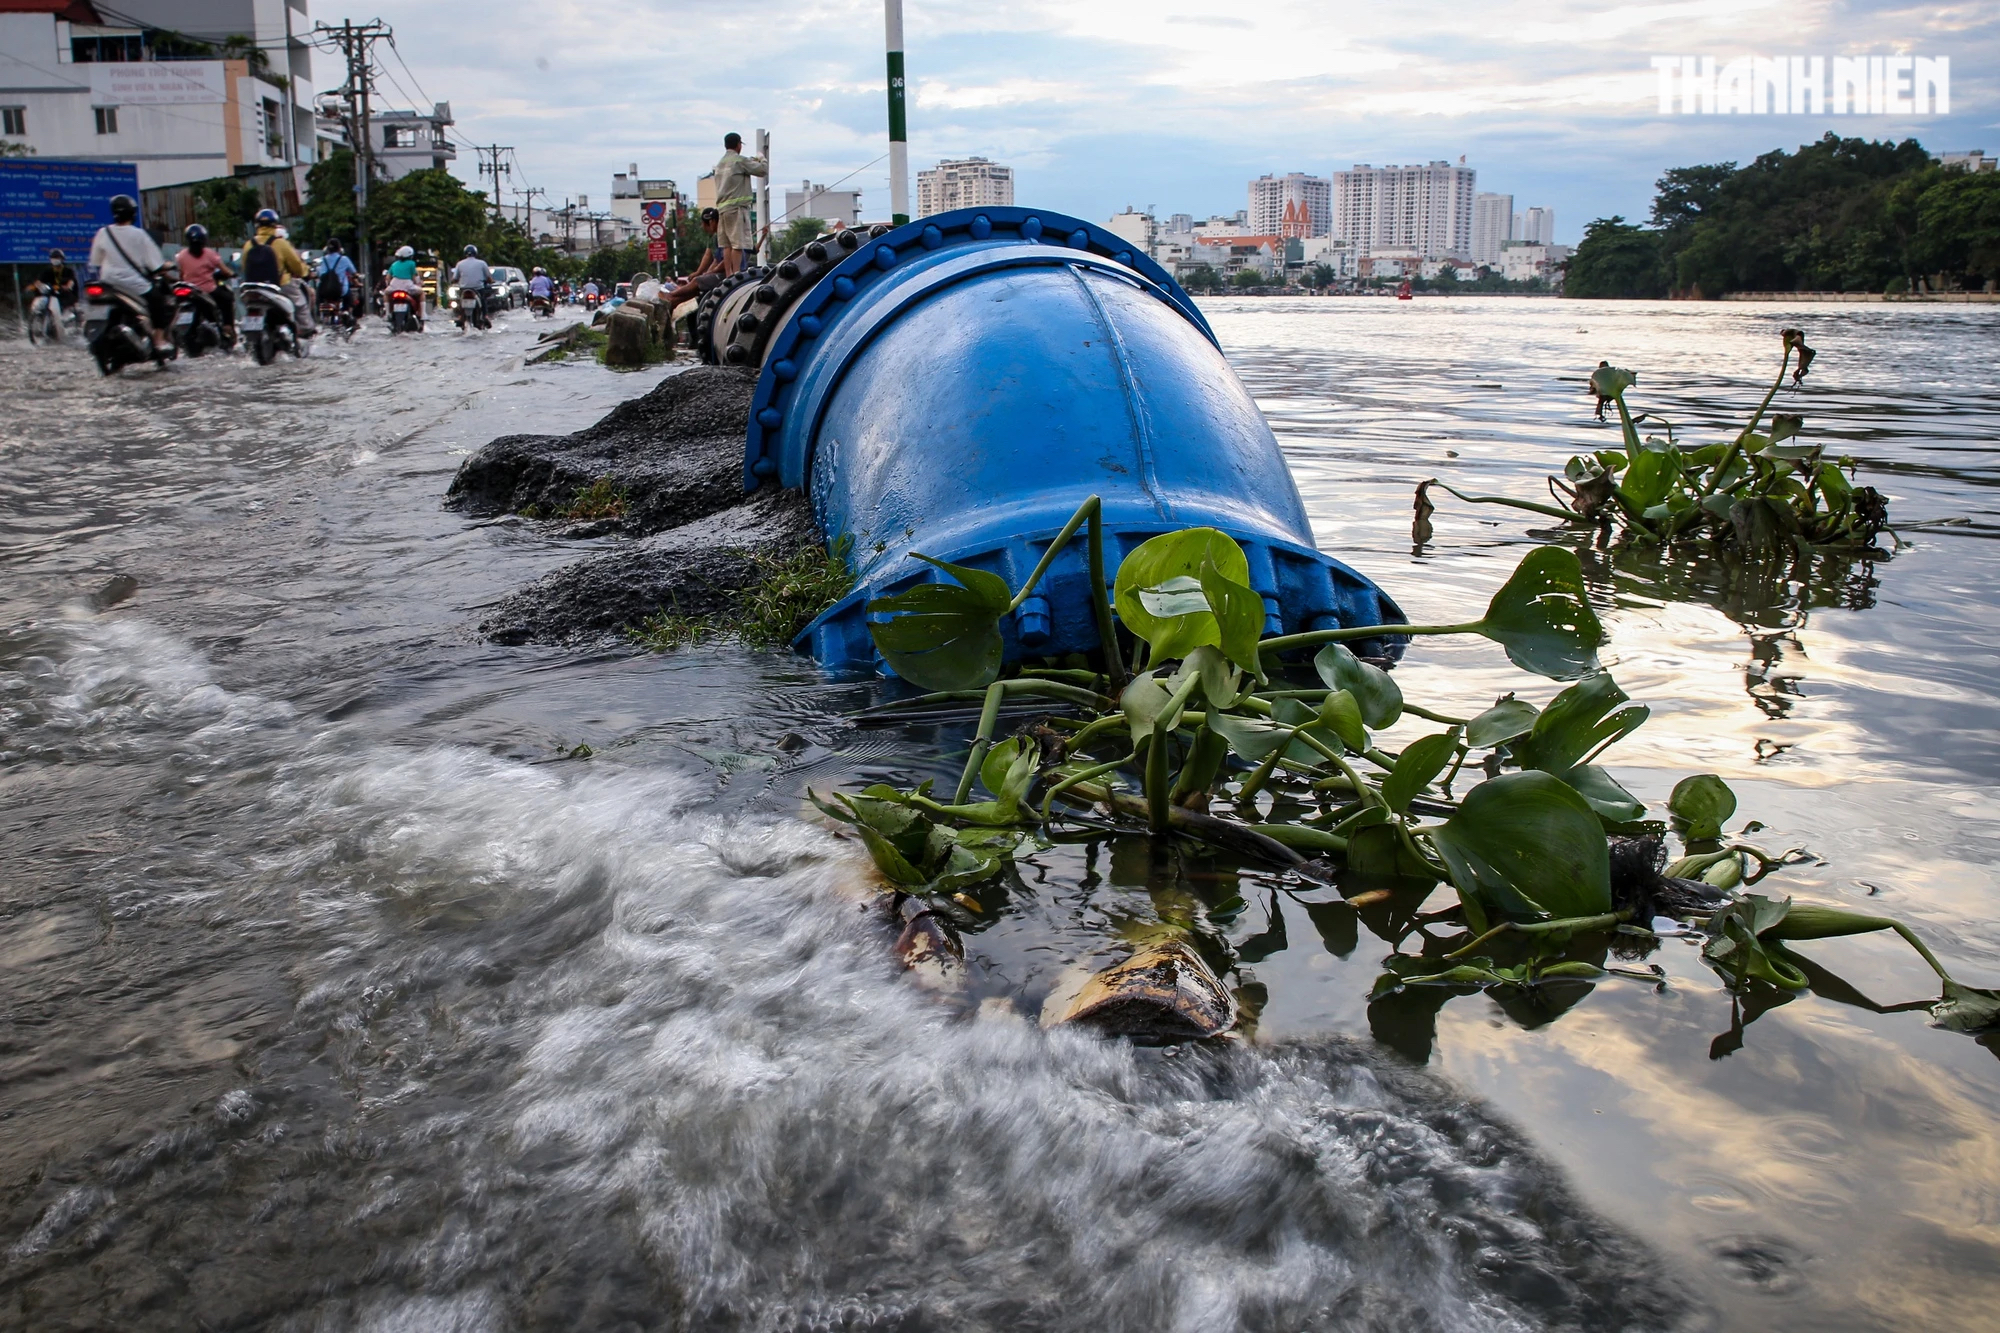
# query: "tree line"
[[1845, 215]]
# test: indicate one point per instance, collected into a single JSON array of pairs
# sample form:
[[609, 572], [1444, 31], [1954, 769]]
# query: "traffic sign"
[[656, 252], [654, 209], [656, 231]]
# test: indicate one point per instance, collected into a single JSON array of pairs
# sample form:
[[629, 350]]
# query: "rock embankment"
[[665, 469]]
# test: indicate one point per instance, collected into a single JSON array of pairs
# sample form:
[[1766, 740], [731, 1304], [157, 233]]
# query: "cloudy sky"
[[1098, 104]]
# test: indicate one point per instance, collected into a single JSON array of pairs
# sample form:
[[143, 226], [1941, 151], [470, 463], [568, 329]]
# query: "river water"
[[336, 997]]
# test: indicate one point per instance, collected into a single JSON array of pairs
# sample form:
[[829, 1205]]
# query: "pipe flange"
[[704, 315], [746, 334]]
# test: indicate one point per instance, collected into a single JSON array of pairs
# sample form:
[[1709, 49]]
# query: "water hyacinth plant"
[[1265, 750], [1763, 491]]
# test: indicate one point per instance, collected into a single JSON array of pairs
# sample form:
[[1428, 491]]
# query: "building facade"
[[971, 182], [630, 193], [186, 90], [1537, 226], [1295, 205], [407, 141], [1139, 230], [1527, 261], [1426, 209], [833, 207], [1492, 226]]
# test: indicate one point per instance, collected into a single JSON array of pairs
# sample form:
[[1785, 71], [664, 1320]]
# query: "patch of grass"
[[584, 341], [793, 590], [664, 631], [600, 499]]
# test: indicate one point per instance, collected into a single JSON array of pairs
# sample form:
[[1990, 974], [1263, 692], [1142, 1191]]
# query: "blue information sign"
[[47, 205]]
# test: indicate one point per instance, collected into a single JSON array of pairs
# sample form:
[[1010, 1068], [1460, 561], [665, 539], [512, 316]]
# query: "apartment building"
[[1294, 205], [970, 182], [186, 90], [1425, 209], [1492, 226]]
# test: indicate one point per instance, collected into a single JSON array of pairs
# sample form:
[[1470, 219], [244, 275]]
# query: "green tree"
[[1203, 279], [1249, 277], [1959, 224], [329, 210], [429, 209], [1615, 260], [1320, 276], [225, 206], [796, 235]]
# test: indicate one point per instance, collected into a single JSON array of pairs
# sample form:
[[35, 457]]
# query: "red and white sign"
[[654, 209], [656, 231], [656, 252]]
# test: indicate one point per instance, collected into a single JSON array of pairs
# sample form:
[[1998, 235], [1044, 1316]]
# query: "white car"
[[510, 287]]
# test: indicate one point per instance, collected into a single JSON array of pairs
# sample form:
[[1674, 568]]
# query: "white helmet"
[[406, 253]]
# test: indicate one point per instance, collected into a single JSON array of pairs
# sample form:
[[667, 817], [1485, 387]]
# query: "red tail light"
[[183, 290], [94, 290]]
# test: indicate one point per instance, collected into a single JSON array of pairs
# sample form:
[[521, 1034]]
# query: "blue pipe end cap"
[[980, 227], [1032, 622], [1031, 229], [765, 467], [932, 238], [783, 371], [843, 287], [1079, 239], [770, 418], [809, 326], [885, 256]]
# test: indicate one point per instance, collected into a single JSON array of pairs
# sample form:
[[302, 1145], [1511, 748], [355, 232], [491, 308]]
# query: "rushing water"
[[334, 997]]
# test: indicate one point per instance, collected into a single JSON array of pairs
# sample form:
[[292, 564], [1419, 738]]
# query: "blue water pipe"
[[959, 385]]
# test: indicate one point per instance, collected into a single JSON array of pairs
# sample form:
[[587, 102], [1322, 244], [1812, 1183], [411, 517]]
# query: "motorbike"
[[337, 318], [591, 300], [470, 305], [116, 328], [269, 323], [198, 325], [541, 307], [406, 311], [47, 319]]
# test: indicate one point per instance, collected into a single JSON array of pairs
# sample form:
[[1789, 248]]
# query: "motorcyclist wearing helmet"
[[403, 278], [200, 266], [269, 258], [472, 275], [129, 261], [541, 285], [58, 278]]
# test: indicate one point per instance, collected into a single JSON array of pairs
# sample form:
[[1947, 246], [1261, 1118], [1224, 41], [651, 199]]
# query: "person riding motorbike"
[[402, 277], [269, 258], [591, 291], [473, 276], [541, 284], [128, 261], [339, 280], [200, 265], [59, 280]]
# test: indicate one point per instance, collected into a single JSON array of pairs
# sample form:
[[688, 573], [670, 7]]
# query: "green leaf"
[[1251, 738], [1341, 715], [890, 861], [1380, 697], [1528, 846], [1156, 562], [1833, 483], [1611, 381], [1736, 949], [1578, 722], [1700, 805], [1008, 769], [1239, 616], [1784, 425], [1417, 767], [1145, 702], [1542, 616], [1219, 681], [1179, 596], [944, 636], [964, 867], [1966, 1008], [1601, 791], [1377, 853], [1807, 921], [1651, 475], [1502, 722]]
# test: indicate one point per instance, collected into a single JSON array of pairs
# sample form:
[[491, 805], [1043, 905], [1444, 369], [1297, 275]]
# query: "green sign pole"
[[899, 135]]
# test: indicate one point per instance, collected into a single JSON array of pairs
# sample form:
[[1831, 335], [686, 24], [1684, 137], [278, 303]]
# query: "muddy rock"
[[675, 453], [665, 469], [701, 568]]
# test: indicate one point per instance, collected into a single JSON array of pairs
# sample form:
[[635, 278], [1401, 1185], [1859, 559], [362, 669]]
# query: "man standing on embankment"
[[733, 197]]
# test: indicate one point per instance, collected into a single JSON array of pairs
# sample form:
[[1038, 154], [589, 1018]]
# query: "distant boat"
[[1403, 292]]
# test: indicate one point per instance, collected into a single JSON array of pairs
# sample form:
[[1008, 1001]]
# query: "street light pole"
[[899, 130]]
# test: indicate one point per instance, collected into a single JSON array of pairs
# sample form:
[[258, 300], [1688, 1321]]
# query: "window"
[[274, 133], [97, 50], [13, 120], [399, 136], [107, 119]]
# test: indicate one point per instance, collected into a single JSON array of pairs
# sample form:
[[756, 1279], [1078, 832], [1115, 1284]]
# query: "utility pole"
[[899, 129], [491, 165], [356, 42], [766, 252], [527, 197]]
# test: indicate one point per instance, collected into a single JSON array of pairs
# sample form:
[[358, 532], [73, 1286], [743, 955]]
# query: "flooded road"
[[336, 997]]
